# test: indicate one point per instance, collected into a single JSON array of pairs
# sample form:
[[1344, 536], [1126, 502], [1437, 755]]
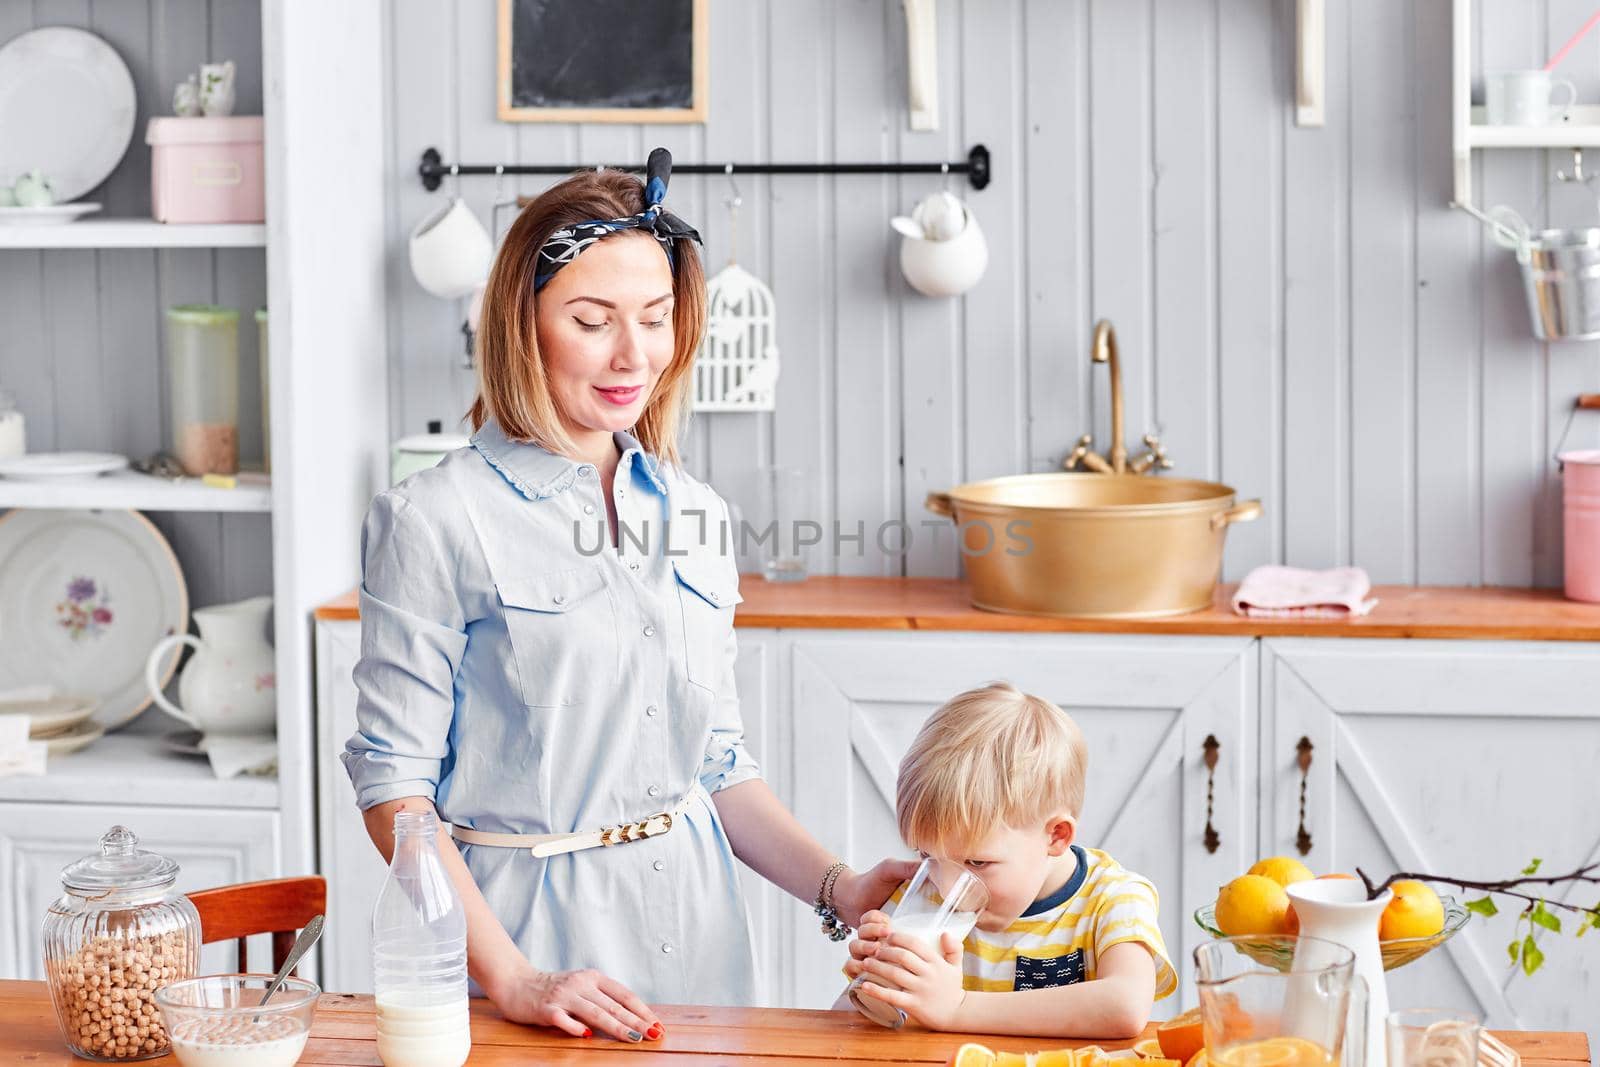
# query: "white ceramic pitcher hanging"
[[1337, 910], [737, 366], [229, 685]]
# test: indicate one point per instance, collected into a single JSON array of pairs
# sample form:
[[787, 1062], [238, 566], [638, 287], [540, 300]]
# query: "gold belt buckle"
[[650, 826]]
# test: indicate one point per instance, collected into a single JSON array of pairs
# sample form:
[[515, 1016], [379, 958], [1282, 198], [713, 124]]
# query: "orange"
[[1285, 870], [1198, 1060], [1415, 911], [1338, 875], [1148, 1049], [971, 1055], [1181, 1036], [1252, 904]]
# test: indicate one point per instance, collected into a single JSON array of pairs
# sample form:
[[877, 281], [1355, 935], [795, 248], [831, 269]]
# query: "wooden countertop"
[[343, 1034], [831, 603]]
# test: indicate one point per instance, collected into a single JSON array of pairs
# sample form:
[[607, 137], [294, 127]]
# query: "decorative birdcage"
[[737, 366]]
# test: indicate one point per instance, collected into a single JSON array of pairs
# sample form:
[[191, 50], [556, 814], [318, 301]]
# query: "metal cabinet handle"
[[1302, 838], [1211, 746]]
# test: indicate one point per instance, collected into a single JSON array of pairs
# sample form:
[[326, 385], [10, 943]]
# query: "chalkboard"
[[603, 61]]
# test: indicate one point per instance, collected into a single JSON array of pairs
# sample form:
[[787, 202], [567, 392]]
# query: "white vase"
[[229, 686], [1337, 910]]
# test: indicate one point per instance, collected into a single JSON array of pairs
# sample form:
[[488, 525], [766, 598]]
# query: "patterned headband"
[[565, 244]]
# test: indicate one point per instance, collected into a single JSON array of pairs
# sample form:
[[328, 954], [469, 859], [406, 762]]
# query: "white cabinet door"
[[1453, 758], [353, 867], [212, 848], [1146, 706]]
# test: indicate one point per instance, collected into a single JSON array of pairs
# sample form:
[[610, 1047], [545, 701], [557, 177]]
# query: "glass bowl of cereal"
[[218, 1020]]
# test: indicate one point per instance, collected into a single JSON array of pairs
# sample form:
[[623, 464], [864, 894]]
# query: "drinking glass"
[[942, 897], [1431, 1037], [786, 500]]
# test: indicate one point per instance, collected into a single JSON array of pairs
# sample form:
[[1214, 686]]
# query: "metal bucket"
[[1561, 275]]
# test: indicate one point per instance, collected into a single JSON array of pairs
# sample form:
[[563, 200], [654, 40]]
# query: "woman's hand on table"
[[921, 981], [580, 1003], [856, 894]]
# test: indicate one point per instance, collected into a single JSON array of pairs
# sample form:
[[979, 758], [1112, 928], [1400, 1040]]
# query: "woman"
[[542, 666]]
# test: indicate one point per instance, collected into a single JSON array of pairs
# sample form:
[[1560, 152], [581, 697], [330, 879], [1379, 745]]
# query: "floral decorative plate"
[[84, 597]]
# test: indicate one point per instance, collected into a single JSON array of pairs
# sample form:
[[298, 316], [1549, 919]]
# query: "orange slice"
[[1181, 1036], [1149, 1049], [972, 1055]]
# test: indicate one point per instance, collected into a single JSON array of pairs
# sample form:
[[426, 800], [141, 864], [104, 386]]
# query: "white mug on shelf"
[[451, 251], [1522, 98]]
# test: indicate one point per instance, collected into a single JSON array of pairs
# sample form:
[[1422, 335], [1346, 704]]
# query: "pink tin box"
[[206, 169]]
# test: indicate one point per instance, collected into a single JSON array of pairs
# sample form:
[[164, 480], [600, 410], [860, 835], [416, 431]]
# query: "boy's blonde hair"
[[991, 757]]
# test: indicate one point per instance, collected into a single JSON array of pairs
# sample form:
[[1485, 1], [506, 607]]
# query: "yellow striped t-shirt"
[[1057, 941]]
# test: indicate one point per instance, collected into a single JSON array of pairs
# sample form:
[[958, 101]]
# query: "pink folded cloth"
[[1273, 592]]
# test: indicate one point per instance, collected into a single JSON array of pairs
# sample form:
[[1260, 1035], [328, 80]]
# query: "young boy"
[[1068, 945]]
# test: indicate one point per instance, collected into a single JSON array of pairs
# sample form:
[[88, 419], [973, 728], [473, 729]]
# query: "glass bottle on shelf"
[[203, 372]]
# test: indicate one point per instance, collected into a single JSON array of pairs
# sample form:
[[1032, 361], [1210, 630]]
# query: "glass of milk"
[[942, 897]]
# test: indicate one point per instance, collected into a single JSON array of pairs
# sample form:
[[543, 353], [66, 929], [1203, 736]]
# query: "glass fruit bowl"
[[1396, 953]]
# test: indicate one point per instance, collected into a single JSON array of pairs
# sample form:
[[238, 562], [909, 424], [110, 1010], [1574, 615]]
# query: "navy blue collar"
[[1064, 894]]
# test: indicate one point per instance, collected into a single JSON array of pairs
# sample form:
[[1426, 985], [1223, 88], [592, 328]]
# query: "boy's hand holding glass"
[[921, 981]]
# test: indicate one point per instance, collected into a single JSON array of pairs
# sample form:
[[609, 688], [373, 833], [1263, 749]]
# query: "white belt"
[[545, 845]]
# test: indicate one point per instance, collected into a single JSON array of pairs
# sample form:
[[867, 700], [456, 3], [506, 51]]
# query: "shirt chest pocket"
[[563, 630], [708, 589]]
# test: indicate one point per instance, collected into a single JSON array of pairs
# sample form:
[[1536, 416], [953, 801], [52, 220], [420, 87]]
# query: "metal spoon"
[[302, 945]]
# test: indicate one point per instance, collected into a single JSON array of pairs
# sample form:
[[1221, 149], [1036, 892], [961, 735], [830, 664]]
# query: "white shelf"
[[142, 492], [134, 233], [1582, 130], [128, 768]]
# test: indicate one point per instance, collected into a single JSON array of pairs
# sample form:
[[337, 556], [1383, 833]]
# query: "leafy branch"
[[1523, 948]]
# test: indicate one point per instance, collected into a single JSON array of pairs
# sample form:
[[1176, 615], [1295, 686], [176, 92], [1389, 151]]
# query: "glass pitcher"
[[1281, 1002]]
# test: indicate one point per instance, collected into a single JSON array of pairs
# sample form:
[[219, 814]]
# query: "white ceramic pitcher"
[[229, 685], [1337, 910]]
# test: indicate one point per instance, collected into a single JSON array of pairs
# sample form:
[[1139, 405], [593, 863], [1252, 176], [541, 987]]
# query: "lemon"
[[1285, 870], [1415, 911], [1252, 904]]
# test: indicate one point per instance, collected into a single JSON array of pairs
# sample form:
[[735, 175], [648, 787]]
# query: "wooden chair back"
[[280, 907]]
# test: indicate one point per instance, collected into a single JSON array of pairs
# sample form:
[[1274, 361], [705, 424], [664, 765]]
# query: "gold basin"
[[1107, 546]]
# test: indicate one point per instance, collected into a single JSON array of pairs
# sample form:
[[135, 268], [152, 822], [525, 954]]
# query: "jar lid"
[[120, 865], [203, 315]]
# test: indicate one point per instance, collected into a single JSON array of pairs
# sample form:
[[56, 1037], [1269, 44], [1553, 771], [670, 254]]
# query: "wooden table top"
[[342, 1036], [941, 604]]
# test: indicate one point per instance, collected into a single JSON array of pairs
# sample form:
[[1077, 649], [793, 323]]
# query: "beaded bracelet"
[[832, 925]]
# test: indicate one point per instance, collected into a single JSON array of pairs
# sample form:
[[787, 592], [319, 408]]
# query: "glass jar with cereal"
[[119, 932]]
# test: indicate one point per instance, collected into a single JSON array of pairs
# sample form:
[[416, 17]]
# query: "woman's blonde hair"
[[513, 384], [991, 757]]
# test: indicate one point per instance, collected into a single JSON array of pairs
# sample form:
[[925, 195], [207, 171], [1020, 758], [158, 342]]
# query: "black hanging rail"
[[434, 170]]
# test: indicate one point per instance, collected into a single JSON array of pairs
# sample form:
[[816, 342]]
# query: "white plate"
[[84, 597], [39, 466], [54, 215], [66, 109], [50, 716], [85, 733]]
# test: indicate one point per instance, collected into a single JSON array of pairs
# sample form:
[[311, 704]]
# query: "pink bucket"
[[1580, 501]]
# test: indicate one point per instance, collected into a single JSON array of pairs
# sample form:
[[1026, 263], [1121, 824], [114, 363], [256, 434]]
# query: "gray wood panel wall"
[[1301, 316], [81, 331]]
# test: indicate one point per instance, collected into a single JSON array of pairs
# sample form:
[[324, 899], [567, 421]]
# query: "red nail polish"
[[655, 1032], [588, 1033]]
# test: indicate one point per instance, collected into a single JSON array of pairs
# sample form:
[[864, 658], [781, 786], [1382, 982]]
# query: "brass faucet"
[[1152, 458]]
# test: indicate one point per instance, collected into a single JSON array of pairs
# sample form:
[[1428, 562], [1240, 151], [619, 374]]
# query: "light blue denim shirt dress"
[[531, 678]]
